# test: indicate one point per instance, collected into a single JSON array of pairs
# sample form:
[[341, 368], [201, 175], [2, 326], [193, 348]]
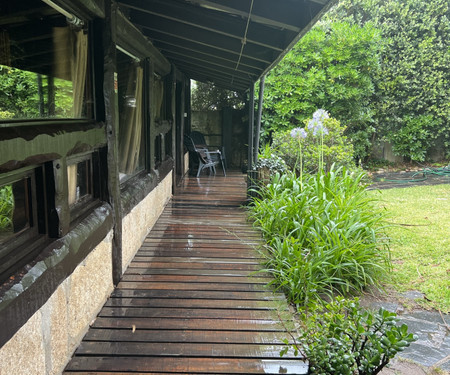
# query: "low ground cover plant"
[[341, 338]]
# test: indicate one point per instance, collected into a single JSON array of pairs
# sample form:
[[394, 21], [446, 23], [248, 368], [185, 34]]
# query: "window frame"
[[83, 206], [24, 244], [81, 20], [144, 167]]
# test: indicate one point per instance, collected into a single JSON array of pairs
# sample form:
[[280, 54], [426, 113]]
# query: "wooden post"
[[112, 128], [251, 120], [258, 118]]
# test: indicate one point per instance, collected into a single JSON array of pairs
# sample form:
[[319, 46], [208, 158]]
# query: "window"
[[80, 188], [131, 121], [43, 64], [19, 219], [83, 185]]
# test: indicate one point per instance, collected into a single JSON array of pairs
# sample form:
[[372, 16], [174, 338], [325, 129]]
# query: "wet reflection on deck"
[[190, 301]]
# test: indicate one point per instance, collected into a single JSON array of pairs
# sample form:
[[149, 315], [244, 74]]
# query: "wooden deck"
[[189, 303]]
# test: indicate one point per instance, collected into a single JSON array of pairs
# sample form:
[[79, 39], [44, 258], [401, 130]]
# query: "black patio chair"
[[217, 154], [204, 157]]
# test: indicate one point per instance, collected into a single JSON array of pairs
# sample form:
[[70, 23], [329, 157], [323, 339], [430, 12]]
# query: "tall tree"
[[209, 97], [332, 68], [413, 84]]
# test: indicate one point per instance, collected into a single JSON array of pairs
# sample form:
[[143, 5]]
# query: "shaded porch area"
[[190, 302]]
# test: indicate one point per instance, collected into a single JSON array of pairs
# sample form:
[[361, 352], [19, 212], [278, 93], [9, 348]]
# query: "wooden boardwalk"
[[190, 303]]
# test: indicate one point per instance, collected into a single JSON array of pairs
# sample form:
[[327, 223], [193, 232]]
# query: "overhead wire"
[[244, 39]]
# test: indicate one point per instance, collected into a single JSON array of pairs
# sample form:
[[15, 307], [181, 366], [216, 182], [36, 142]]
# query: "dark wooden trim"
[[61, 194], [251, 125], [147, 112], [28, 293], [47, 142], [151, 131], [85, 9], [131, 39], [112, 127]]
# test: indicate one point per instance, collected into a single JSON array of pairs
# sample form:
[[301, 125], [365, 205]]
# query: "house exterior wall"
[[140, 220], [46, 342], [48, 301]]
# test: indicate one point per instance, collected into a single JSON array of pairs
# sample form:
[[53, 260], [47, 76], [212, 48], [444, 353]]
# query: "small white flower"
[[320, 114], [298, 133]]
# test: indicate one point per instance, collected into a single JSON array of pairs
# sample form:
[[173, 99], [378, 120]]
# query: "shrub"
[[324, 234], [342, 338], [320, 143], [271, 162], [332, 66]]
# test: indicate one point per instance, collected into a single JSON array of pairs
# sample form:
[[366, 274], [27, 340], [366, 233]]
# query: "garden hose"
[[442, 172]]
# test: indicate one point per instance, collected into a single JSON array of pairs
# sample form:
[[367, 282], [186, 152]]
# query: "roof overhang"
[[231, 43]]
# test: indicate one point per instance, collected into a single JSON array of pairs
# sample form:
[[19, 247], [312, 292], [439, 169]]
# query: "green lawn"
[[420, 241]]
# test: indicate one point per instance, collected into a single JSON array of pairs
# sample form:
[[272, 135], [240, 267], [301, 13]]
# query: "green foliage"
[[18, 93], [331, 67], [413, 84], [6, 207], [269, 160], [208, 97], [6, 115], [413, 139], [342, 338], [379, 66], [324, 234], [20, 99], [304, 152]]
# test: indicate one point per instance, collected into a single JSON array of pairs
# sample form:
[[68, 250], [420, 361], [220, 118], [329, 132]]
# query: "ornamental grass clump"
[[324, 234]]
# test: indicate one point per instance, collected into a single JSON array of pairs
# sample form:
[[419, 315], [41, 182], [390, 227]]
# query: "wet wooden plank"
[[190, 336], [127, 323], [198, 279], [203, 260], [207, 253], [198, 294], [180, 271], [195, 303], [170, 349], [151, 365], [197, 265], [155, 312], [192, 286]]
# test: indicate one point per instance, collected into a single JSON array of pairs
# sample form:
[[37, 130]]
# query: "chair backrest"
[[189, 143], [201, 153], [198, 138]]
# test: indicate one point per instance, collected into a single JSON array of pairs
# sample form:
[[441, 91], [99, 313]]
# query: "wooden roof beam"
[[159, 39], [212, 70], [211, 60], [226, 44], [265, 11], [210, 21], [194, 33]]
